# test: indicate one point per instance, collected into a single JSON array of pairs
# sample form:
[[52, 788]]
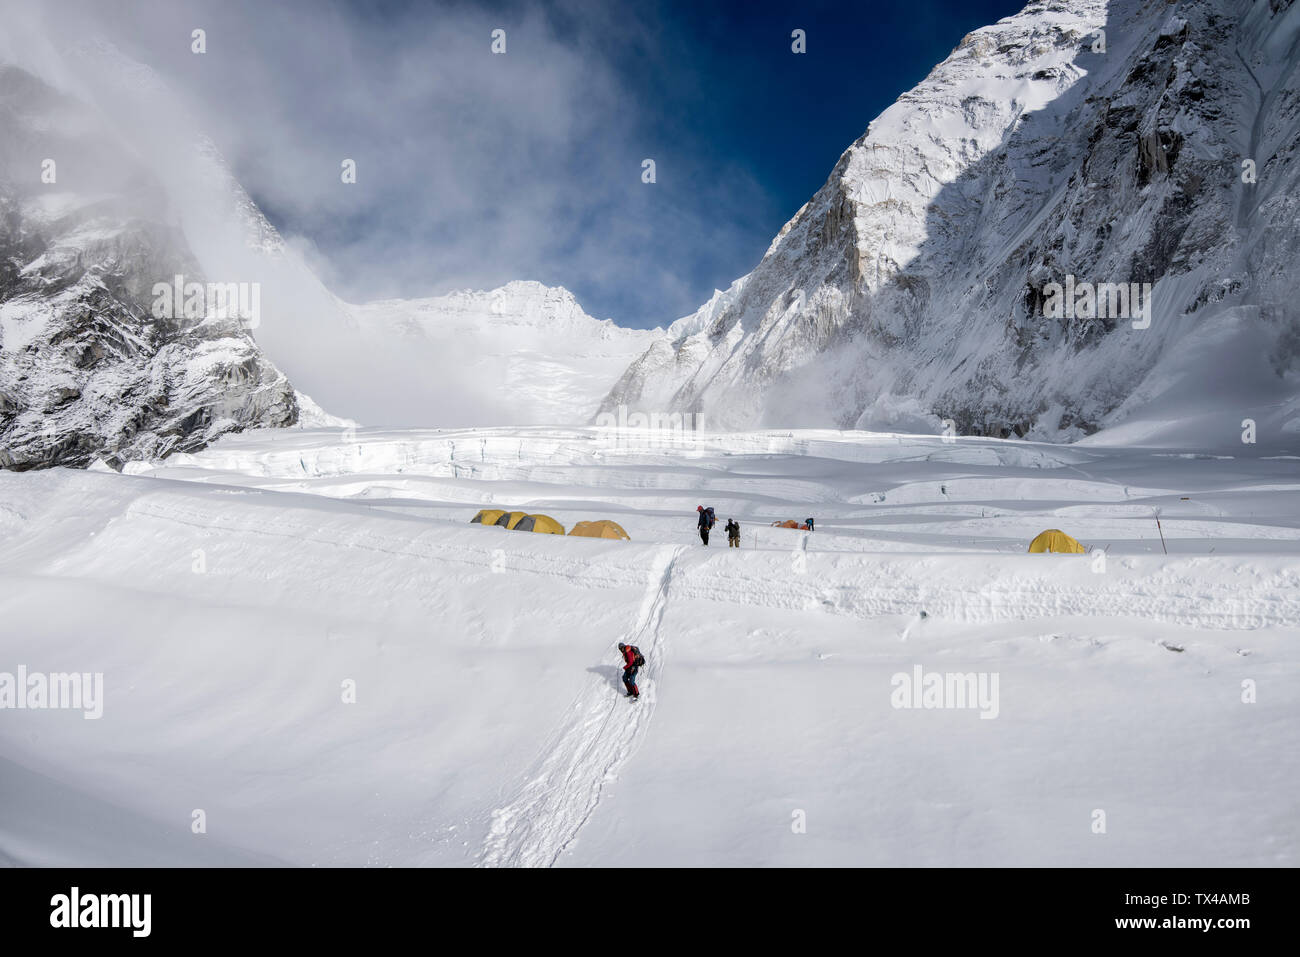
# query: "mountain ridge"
[[908, 290]]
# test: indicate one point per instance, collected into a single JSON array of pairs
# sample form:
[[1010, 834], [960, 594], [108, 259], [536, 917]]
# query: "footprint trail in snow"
[[599, 731]]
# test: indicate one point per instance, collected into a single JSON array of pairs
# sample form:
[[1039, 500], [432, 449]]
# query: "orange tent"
[[602, 529]]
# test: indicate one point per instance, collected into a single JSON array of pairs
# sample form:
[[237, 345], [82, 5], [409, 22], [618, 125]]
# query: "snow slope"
[[228, 595]]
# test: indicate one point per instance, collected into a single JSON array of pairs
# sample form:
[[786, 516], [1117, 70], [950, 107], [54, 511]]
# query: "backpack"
[[711, 517], [639, 660]]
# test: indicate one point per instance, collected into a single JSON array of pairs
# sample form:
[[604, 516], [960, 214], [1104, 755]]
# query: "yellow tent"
[[510, 519], [1055, 540], [602, 529], [487, 516], [538, 523]]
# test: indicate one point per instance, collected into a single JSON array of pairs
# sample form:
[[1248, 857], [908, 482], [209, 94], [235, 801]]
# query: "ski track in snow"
[[599, 733]]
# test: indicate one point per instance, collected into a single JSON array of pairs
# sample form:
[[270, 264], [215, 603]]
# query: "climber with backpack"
[[733, 533], [633, 661], [706, 521]]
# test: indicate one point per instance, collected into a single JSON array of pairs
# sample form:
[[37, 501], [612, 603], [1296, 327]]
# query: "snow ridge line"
[[600, 731], [1181, 599]]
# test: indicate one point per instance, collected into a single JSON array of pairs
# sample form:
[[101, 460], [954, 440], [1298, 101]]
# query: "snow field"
[[228, 596]]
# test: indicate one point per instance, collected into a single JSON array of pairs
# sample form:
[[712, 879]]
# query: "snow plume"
[[135, 65], [472, 169]]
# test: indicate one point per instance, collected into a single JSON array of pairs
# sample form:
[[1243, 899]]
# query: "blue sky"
[[475, 169]]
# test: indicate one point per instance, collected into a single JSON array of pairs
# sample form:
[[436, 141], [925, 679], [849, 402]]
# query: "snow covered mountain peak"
[[522, 303], [109, 65], [91, 366], [525, 353], [1100, 141]]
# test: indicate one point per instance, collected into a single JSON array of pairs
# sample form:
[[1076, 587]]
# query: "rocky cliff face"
[[916, 285], [88, 369]]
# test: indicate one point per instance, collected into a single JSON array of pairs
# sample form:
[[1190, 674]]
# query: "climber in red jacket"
[[632, 662]]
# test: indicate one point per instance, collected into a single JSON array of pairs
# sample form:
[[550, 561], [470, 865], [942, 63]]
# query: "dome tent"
[[487, 516], [538, 523], [1055, 540], [603, 528], [510, 519]]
